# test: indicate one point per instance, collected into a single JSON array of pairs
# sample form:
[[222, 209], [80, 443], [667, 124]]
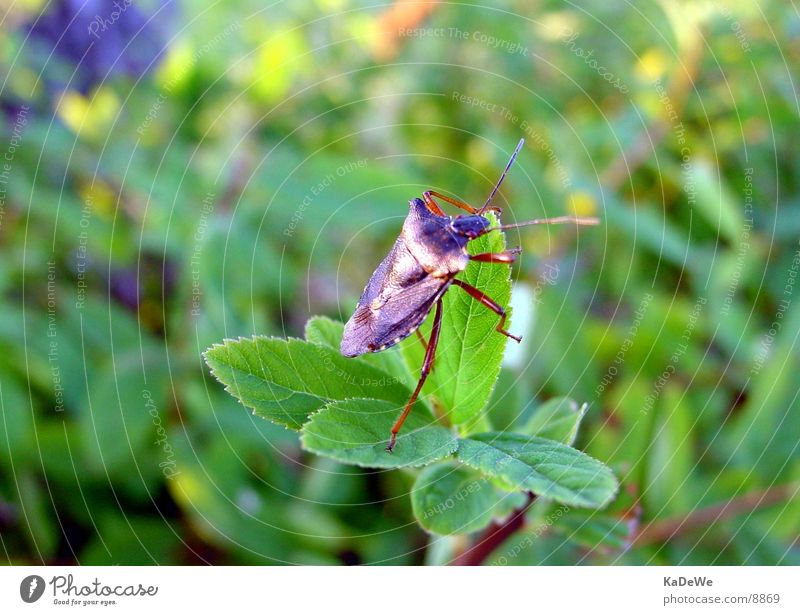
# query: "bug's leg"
[[428, 197], [507, 257], [491, 304], [430, 353], [431, 204], [422, 341]]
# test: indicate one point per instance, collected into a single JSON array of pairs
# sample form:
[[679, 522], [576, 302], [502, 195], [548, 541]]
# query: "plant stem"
[[660, 531], [494, 535]]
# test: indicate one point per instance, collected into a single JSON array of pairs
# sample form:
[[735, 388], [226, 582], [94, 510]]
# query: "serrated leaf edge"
[[362, 465], [602, 506], [227, 387]]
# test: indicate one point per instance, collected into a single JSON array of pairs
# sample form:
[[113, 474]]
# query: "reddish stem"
[[494, 535]]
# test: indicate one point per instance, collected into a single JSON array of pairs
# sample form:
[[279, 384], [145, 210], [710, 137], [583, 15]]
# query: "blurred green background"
[[175, 173]]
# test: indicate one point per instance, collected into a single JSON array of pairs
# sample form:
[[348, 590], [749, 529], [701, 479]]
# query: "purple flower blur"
[[78, 44]]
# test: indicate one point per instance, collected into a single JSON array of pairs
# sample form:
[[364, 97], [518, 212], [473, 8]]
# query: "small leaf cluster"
[[344, 409]]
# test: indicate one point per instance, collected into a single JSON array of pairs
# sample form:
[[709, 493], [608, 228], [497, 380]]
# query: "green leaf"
[[37, 508], [470, 350], [547, 468], [556, 419], [117, 420], [595, 530], [357, 431], [714, 200], [450, 499], [326, 332], [18, 435], [671, 456], [286, 380], [131, 540], [649, 229]]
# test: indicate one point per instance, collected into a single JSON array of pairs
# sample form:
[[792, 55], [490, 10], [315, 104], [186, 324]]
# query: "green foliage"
[[448, 499], [327, 332], [356, 431], [248, 182], [286, 380], [547, 468], [556, 419], [347, 408]]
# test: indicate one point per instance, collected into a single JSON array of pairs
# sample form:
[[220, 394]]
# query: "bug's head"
[[470, 226]]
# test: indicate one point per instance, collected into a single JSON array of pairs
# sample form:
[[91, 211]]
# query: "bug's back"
[[404, 287], [394, 303]]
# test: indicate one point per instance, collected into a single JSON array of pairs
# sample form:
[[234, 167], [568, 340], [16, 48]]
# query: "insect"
[[423, 263]]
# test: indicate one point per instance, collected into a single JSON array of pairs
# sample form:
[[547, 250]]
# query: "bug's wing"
[[403, 311], [395, 302]]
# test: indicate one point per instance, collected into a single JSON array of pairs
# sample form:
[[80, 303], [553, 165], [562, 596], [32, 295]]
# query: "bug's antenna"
[[502, 177], [558, 220]]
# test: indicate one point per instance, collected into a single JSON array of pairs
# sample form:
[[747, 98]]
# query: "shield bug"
[[423, 263]]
